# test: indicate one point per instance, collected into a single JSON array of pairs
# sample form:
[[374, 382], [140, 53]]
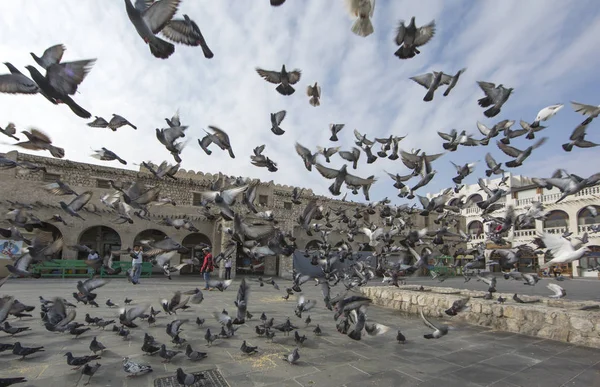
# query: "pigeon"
[[495, 96], [188, 379], [276, 119], [135, 369], [18, 83], [107, 155], [457, 307], [282, 78], [293, 357], [519, 155], [10, 130], [431, 81], [118, 121], [248, 349], [186, 31], [437, 332], [587, 110], [400, 338], [98, 122], [546, 113], [327, 152], [96, 346], [194, 355], [363, 11], [409, 38], [317, 331], [25, 351], [335, 129], [167, 354], [221, 139], [314, 92], [454, 81], [78, 362], [149, 19], [577, 139], [89, 370], [558, 291], [37, 140]]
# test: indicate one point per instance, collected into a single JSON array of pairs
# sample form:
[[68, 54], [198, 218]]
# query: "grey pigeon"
[[410, 37], [52, 55], [17, 83], [89, 370], [437, 332], [135, 369], [149, 19], [186, 31], [282, 78], [293, 357], [107, 155], [335, 129], [495, 96], [37, 140], [314, 92], [117, 121], [98, 122], [431, 81], [10, 131], [519, 155], [188, 379], [577, 139], [276, 119], [308, 157], [77, 204], [454, 81]]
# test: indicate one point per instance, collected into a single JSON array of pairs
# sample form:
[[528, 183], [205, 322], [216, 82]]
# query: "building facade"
[[574, 214], [99, 232]]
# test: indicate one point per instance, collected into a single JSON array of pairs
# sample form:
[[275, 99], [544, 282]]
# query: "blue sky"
[[545, 49]]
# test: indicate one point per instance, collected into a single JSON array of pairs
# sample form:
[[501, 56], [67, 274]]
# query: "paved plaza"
[[467, 356]]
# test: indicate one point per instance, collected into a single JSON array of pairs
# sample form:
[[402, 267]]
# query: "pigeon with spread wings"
[[282, 78]]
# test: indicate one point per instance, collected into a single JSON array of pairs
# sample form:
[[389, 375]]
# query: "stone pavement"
[[467, 356]]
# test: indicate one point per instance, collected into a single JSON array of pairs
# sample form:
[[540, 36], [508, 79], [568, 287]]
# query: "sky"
[[544, 49]]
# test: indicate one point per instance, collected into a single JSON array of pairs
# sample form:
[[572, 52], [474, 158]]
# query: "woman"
[[207, 266]]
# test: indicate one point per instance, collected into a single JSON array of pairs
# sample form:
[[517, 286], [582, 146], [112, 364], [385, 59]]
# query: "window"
[[101, 183], [263, 200], [287, 205], [515, 195], [51, 177], [196, 199], [539, 190]]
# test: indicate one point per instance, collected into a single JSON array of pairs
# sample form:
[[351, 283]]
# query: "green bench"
[[64, 268]]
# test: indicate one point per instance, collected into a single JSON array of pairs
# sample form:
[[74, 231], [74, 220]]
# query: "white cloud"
[[544, 49]]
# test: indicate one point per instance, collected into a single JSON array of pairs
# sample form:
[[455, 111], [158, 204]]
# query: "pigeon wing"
[[159, 14], [423, 80], [508, 150], [294, 76], [80, 201], [270, 76], [424, 34]]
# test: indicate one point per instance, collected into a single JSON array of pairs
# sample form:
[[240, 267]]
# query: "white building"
[[569, 215]]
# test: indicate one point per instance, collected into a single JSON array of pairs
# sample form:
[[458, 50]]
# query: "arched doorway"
[[103, 239], [151, 233], [556, 222], [475, 228], [586, 217], [474, 199], [194, 242], [312, 245], [591, 259]]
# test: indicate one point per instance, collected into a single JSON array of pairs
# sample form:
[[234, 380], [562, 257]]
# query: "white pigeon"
[[373, 235], [562, 250], [363, 11], [558, 291], [546, 113]]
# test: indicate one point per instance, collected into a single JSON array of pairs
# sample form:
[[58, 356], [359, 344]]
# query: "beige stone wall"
[[26, 188], [550, 319]]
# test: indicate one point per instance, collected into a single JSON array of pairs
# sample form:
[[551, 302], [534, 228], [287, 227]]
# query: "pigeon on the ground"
[[135, 369]]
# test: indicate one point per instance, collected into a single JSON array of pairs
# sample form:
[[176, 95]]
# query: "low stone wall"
[[550, 319]]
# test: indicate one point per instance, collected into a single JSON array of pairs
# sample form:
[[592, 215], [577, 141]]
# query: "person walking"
[[207, 266], [136, 264], [92, 256], [228, 268]]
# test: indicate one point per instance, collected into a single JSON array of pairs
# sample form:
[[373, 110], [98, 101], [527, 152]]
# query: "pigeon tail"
[[56, 151], [333, 137], [354, 335], [405, 52], [530, 136], [512, 164], [362, 27], [492, 112], [457, 179], [208, 54], [285, 89], [535, 124], [160, 48], [314, 101], [429, 96], [78, 110], [567, 147], [277, 130], [428, 336], [488, 172]]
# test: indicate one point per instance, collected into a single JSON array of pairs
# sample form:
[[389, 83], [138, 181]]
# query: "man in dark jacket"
[[207, 266]]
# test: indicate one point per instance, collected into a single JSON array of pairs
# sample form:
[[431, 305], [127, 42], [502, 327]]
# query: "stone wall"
[[550, 319]]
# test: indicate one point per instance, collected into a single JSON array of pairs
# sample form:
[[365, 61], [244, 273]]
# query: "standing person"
[[92, 256], [228, 268], [207, 266], [136, 264]]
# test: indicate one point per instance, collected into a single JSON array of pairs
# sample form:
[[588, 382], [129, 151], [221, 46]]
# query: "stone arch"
[[556, 218], [312, 245], [100, 238], [475, 198], [585, 216], [591, 259], [339, 243], [367, 247], [475, 227], [150, 233], [194, 242]]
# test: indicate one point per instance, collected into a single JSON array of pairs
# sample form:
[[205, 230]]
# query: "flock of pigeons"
[[389, 229]]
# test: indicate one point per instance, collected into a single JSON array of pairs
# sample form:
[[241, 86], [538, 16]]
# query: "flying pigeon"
[[282, 78], [363, 11], [410, 37], [494, 95], [314, 92]]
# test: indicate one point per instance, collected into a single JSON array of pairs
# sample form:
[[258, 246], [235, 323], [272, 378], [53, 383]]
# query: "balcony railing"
[[524, 233], [555, 230], [475, 237], [524, 202], [586, 227]]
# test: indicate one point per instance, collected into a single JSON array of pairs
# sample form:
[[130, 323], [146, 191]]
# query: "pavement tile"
[[588, 378], [330, 360]]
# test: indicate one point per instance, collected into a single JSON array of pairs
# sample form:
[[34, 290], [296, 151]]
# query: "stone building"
[[571, 215], [99, 232]]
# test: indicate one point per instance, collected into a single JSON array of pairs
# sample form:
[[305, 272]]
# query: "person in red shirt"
[[207, 266]]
